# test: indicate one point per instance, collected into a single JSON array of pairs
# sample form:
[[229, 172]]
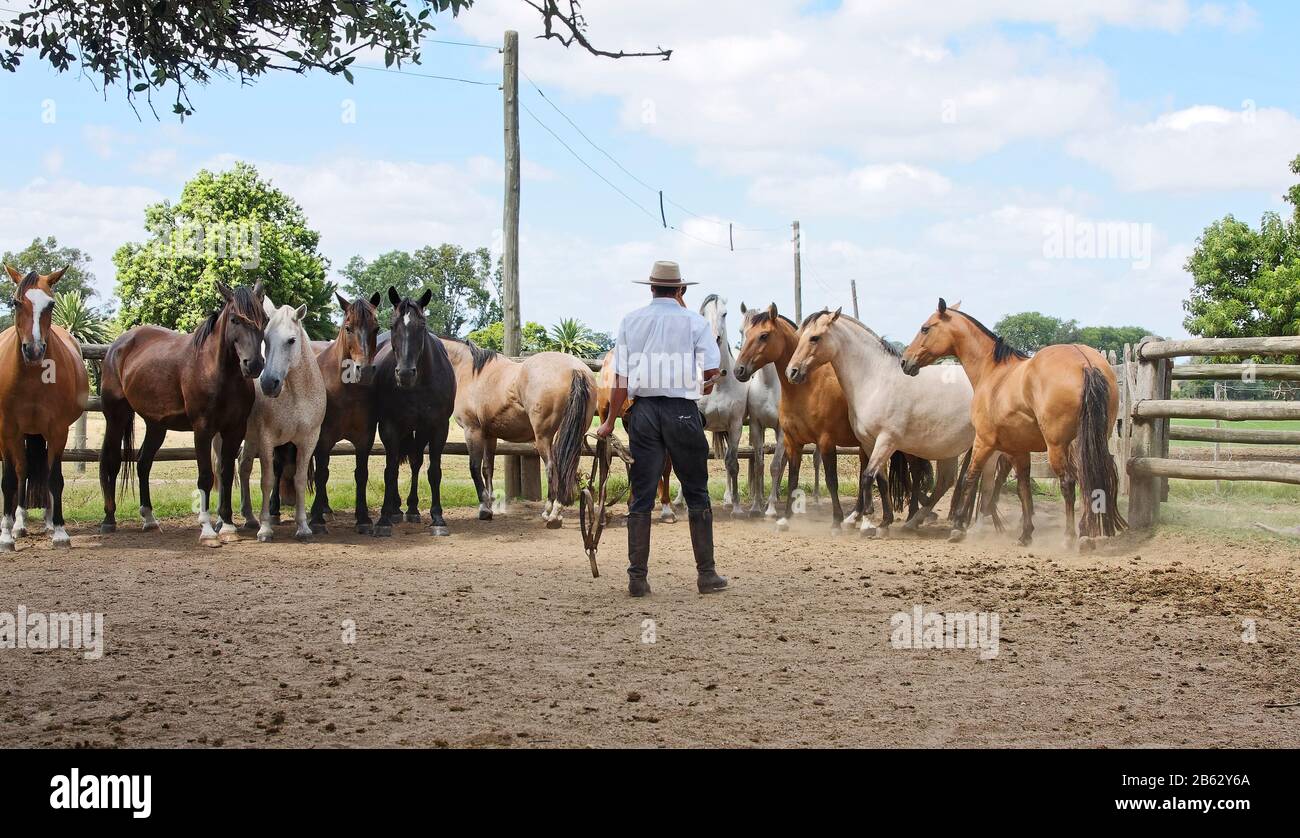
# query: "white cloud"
[[869, 190], [1201, 147]]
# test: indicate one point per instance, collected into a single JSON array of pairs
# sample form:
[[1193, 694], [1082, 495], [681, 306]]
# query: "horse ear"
[[771, 311], [375, 298], [224, 290], [300, 313], [425, 297], [394, 297], [13, 274], [343, 303], [742, 307], [955, 306], [836, 315], [943, 307], [258, 290], [56, 276], [268, 307]]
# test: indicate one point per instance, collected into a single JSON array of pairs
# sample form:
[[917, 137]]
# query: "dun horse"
[[1063, 401], [289, 409], [414, 396], [548, 399], [604, 383], [199, 382], [43, 389], [927, 417]]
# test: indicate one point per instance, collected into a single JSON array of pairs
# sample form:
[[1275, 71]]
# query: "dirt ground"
[[498, 636]]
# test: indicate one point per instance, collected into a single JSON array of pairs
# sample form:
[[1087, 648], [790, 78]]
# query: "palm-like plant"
[[80, 320], [574, 337]]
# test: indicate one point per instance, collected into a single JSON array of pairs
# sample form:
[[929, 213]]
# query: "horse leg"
[[154, 434], [1061, 463], [413, 497], [474, 441], [282, 464], [666, 513], [265, 532], [320, 503], [830, 464], [862, 505], [489, 475], [945, 473], [54, 515], [252, 522], [793, 491], [757, 437], [305, 447], [392, 464], [876, 470], [361, 479], [1026, 487], [437, 442], [9, 485], [203, 457], [552, 512], [778, 465], [118, 421], [980, 453], [733, 467], [230, 444]]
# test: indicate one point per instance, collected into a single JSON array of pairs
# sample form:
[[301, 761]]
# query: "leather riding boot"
[[708, 580], [638, 553]]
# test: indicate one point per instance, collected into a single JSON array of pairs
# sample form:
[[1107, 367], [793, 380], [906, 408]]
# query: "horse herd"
[[829, 382]]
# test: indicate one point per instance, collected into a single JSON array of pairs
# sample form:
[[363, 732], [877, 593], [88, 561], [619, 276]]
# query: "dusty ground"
[[498, 635]]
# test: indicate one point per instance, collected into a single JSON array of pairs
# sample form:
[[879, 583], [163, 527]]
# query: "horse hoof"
[[266, 537], [250, 524], [365, 529], [756, 513], [318, 528], [383, 531], [867, 532], [439, 529], [956, 536], [485, 514], [20, 533], [147, 526], [667, 519], [303, 536], [107, 527], [1025, 540], [412, 517], [554, 524], [6, 547], [228, 537], [64, 542], [210, 542]]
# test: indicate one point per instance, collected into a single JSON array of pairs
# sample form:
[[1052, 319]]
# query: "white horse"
[[290, 407], [726, 409], [926, 415]]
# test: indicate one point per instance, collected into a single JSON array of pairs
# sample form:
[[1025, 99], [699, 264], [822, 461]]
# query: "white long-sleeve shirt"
[[662, 348]]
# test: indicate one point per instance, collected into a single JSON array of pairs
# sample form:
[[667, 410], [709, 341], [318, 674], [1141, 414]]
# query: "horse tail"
[[1095, 466], [900, 480], [921, 471], [720, 441], [38, 472], [567, 447], [959, 488]]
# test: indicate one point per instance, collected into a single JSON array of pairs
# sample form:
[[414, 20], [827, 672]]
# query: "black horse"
[[414, 392]]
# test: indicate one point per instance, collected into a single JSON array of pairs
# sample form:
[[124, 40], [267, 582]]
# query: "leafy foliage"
[[532, 337], [232, 227], [80, 320], [1246, 282], [572, 336], [462, 283], [1031, 331]]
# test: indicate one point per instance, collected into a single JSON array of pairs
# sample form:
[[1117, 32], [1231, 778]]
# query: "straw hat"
[[665, 275]]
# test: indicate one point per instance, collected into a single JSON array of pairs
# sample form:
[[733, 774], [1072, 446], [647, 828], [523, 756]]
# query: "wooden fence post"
[[1143, 489], [530, 478], [79, 437]]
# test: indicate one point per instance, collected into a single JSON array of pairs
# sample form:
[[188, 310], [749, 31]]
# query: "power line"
[[429, 76], [461, 44]]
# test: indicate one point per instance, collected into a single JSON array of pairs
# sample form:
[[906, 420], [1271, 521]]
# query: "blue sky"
[[927, 149]]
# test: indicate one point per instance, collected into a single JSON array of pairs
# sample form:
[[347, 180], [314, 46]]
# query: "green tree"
[[532, 336], [45, 256], [1246, 282], [146, 47], [231, 227], [1031, 331], [1111, 338], [572, 336], [461, 282]]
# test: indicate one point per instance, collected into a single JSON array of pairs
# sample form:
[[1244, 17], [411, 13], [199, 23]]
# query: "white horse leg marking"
[[49, 517], [146, 515], [666, 513], [206, 533], [20, 523], [6, 534], [60, 537]]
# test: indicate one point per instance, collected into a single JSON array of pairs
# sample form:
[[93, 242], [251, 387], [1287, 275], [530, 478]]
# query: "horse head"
[[33, 311], [358, 336], [812, 351], [761, 344], [410, 334], [936, 339], [243, 322], [285, 342]]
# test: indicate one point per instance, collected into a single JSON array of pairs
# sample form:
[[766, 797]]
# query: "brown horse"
[[1063, 400], [603, 387], [43, 389], [816, 412], [548, 399], [201, 382]]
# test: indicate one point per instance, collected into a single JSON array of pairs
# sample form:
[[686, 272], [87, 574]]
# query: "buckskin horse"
[[414, 397], [1062, 400], [547, 399], [200, 382], [43, 389], [927, 417]]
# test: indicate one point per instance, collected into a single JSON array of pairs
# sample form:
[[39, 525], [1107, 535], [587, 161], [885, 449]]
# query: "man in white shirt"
[[659, 356]]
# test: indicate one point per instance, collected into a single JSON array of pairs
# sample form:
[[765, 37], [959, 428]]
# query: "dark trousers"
[[658, 425]]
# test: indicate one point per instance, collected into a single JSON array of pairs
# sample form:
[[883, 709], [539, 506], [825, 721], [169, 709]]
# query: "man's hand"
[[710, 378], [606, 428]]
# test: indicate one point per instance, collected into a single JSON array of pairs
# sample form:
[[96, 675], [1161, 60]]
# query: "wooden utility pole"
[[798, 279], [853, 284], [510, 229]]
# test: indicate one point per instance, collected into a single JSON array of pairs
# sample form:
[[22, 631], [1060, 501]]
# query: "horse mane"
[[757, 316], [245, 303], [709, 299], [888, 347], [365, 313], [480, 357], [28, 283], [1001, 349]]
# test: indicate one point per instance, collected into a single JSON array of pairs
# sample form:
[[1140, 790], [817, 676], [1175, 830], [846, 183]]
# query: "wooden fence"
[[1147, 377]]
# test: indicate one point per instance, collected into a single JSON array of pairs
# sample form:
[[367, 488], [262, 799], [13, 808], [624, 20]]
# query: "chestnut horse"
[[201, 382], [547, 399], [43, 389], [816, 412], [1063, 400], [603, 386], [414, 396]]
